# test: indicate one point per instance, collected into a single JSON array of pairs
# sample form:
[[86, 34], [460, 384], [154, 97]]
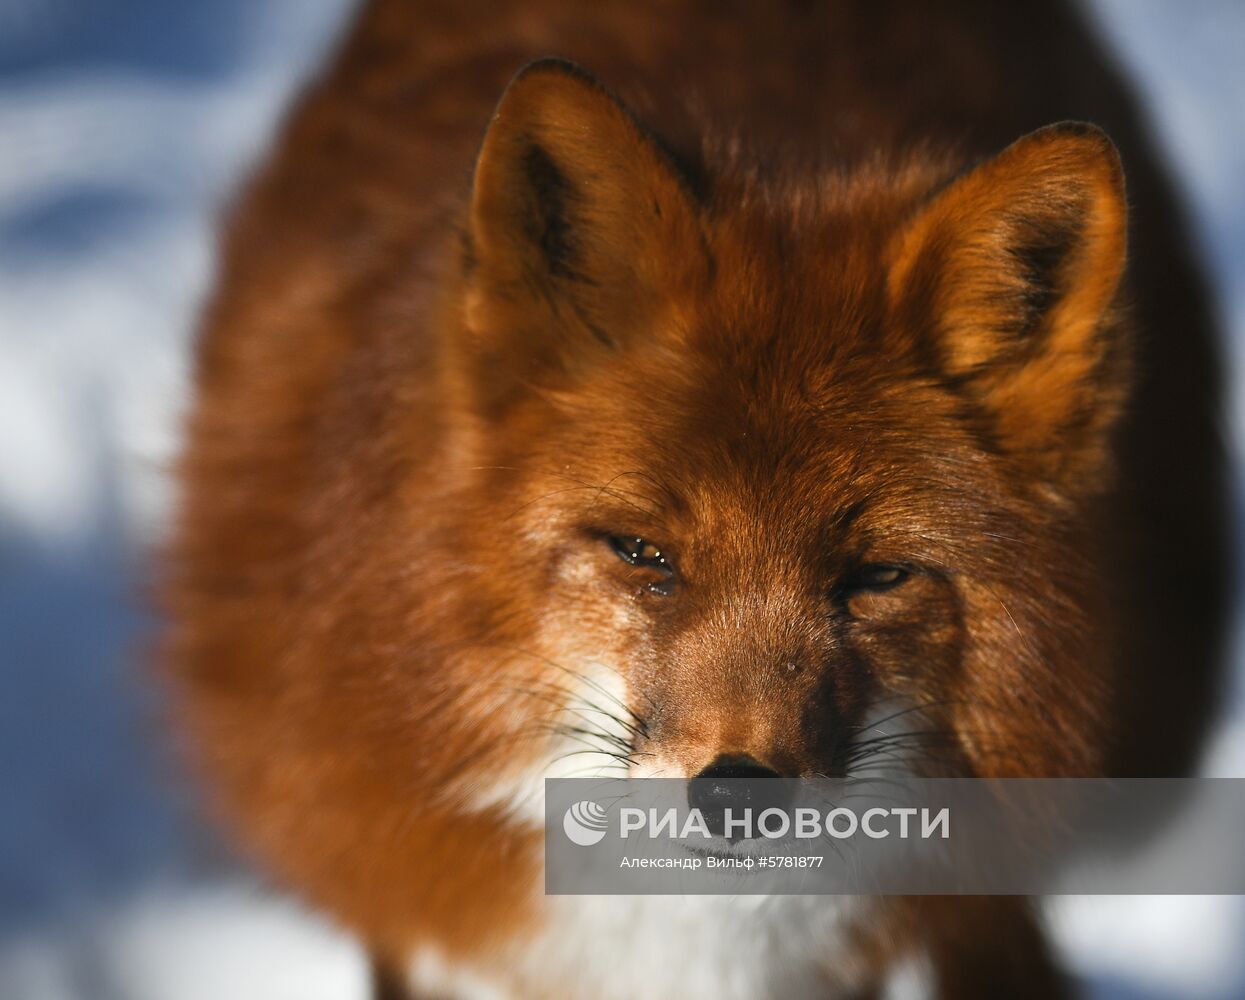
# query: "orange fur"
[[828, 321]]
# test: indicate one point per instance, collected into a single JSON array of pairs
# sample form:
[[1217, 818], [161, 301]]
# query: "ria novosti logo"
[[585, 823]]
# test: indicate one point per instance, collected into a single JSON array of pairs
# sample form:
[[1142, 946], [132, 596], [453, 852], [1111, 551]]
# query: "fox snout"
[[736, 783], [727, 727], [779, 698]]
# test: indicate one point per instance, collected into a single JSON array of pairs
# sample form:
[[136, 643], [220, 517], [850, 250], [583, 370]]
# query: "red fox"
[[760, 374]]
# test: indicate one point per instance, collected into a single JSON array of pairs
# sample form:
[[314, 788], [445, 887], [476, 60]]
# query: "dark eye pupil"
[[637, 551], [878, 576]]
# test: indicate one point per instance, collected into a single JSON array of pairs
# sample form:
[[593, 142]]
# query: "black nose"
[[737, 784]]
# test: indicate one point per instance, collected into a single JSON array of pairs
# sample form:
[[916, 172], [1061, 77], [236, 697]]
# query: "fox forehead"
[[785, 369], [731, 439]]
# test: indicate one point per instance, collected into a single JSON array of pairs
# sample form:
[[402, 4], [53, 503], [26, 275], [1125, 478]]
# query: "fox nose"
[[736, 783]]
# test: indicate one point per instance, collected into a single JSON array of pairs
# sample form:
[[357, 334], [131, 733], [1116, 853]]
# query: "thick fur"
[[818, 288]]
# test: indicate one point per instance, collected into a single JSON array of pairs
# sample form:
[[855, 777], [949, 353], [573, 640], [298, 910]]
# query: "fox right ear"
[[581, 233], [1012, 274]]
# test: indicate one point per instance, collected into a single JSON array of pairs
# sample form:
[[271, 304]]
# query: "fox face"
[[657, 468], [792, 478]]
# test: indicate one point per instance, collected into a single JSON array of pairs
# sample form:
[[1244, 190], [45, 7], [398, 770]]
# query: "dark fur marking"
[[1040, 255], [550, 225]]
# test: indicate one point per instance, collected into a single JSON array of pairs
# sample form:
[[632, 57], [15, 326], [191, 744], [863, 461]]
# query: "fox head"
[[759, 468], [797, 470]]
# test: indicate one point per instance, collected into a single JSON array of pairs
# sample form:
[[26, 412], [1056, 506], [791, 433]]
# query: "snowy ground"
[[123, 125]]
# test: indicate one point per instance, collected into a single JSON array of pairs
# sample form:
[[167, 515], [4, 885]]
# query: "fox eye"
[[640, 552], [637, 551], [876, 577]]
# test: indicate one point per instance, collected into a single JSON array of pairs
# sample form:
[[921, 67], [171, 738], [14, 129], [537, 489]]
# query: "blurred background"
[[125, 125]]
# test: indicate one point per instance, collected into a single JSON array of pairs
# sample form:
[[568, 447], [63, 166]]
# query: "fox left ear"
[[581, 231], [1011, 276]]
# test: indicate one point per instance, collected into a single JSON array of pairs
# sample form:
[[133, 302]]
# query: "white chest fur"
[[663, 946]]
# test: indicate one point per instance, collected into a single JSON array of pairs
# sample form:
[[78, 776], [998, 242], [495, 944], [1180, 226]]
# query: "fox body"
[[807, 385]]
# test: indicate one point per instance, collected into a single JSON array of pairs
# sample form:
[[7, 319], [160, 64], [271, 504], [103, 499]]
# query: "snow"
[[125, 125]]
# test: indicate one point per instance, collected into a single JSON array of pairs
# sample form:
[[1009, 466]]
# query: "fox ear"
[[1010, 277], [580, 230]]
